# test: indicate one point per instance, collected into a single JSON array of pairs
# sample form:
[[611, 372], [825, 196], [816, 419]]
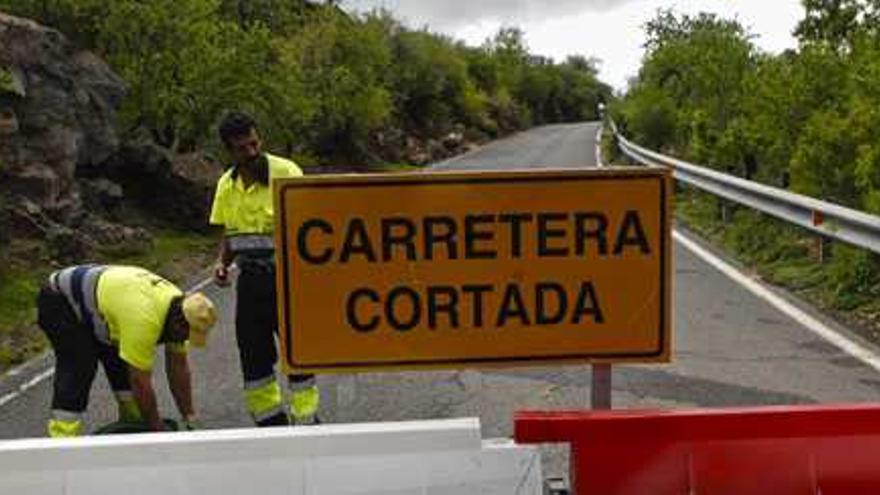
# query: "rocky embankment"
[[67, 177]]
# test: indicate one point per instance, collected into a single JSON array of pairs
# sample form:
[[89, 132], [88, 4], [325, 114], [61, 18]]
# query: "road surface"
[[730, 347]]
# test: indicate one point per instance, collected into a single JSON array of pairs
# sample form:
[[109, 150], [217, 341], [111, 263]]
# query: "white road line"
[[812, 324], [201, 285], [47, 373], [21, 368], [26, 386], [599, 147]]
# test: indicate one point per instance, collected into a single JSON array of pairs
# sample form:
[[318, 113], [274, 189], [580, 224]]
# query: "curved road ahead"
[[730, 347]]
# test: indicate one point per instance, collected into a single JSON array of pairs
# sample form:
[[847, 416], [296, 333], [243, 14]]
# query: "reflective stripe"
[[258, 417], [59, 428], [53, 282], [64, 284], [79, 285], [254, 384], [122, 395], [90, 288], [307, 382], [263, 400], [250, 242], [62, 415], [304, 404]]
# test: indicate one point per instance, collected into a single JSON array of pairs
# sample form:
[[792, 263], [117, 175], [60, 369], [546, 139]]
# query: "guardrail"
[[828, 219]]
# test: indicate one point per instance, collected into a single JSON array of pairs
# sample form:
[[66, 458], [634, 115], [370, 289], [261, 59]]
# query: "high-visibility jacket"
[[249, 210], [126, 306]]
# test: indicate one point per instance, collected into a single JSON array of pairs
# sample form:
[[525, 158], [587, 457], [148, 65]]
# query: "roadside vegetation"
[[328, 87], [807, 120]]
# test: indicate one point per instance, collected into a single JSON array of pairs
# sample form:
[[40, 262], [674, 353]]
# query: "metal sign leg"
[[600, 391]]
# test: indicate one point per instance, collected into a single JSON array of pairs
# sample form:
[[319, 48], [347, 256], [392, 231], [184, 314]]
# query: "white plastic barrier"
[[423, 457]]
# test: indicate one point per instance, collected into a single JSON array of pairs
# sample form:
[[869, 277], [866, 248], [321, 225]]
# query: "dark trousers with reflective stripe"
[[256, 325], [77, 353]]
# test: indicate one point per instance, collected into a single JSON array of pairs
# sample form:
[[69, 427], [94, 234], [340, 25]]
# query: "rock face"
[[176, 189], [57, 111], [65, 174]]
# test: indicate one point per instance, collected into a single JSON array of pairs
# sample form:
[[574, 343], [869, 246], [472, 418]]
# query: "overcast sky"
[[610, 30]]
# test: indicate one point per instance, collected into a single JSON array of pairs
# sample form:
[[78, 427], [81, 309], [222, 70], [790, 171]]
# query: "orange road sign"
[[453, 270]]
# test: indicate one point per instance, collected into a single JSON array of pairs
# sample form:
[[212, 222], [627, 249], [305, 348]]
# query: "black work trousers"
[[77, 353], [256, 321]]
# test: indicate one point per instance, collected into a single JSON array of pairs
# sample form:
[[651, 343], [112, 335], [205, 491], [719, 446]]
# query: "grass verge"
[[786, 256]]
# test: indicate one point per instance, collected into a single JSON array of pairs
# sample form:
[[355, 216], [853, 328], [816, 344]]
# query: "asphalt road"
[[730, 348]]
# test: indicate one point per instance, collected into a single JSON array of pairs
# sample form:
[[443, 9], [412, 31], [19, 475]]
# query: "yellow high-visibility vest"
[[249, 210], [134, 303]]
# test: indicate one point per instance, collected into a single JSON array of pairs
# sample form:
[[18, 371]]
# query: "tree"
[[695, 67], [830, 22], [345, 66]]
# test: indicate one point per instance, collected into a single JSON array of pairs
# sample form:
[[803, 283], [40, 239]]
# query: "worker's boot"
[[304, 400]]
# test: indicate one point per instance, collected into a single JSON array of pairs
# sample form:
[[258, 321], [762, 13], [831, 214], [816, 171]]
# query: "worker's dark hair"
[[235, 124], [174, 319]]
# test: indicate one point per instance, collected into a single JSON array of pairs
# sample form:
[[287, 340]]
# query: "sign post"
[[460, 270], [600, 391]]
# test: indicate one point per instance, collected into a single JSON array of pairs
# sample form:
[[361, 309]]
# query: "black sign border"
[[661, 180]]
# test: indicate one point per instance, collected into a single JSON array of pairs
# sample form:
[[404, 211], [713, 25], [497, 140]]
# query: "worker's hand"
[[221, 275]]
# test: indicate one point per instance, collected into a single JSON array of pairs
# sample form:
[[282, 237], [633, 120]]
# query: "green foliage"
[[837, 24], [823, 162], [854, 277], [322, 84], [7, 84], [432, 85], [344, 67], [760, 239], [17, 291], [650, 117], [694, 71], [806, 119]]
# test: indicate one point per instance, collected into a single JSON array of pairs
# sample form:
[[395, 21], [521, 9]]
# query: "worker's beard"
[[258, 168], [251, 165]]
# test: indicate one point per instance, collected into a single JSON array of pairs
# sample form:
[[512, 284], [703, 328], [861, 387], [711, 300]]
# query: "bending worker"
[[118, 315], [243, 205]]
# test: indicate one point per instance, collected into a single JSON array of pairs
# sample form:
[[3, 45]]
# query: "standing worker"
[[243, 205], [118, 315]]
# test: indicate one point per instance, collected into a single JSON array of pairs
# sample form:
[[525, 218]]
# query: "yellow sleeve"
[[218, 208], [286, 168], [293, 170], [138, 349]]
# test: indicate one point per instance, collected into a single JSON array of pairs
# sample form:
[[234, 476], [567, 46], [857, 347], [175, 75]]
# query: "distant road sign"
[[451, 270]]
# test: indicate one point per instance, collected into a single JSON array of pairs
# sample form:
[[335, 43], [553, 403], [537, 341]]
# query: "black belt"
[[255, 264]]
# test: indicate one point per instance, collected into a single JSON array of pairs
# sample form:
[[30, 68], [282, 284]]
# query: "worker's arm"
[[180, 382], [224, 259], [142, 388]]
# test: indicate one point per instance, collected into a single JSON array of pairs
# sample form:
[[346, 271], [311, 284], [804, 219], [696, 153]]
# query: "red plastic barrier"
[[798, 450]]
